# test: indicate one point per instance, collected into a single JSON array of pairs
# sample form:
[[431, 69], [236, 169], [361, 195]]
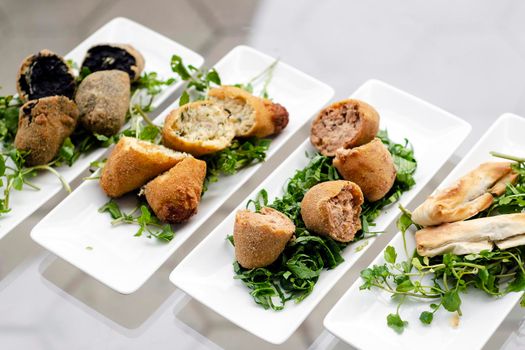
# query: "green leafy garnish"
[[148, 223], [240, 154], [295, 273], [444, 278]]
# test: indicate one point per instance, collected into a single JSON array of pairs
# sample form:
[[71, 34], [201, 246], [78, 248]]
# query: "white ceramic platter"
[[207, 274], [157, 51], [124, 262], [359, 317]]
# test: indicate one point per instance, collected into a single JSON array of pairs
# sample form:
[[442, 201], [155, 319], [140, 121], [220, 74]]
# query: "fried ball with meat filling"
[[370, 166], [332, 209], [134, 162], [43, 125], [123, 57], [103, 100], [250, 115], [260, 237], [44, 74], [344, 124], [175, 195]]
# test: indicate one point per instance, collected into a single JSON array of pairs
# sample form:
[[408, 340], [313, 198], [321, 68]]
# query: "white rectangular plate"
[[359, 317], [157, 51], [124, 262], [207, 273]]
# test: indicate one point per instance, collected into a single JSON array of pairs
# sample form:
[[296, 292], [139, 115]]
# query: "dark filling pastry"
[[47, 76], [27, 108], [105, 57]]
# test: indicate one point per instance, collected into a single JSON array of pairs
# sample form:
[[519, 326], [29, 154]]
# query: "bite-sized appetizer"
[[468, 196], [370, 166], [250, 115], [175, 195], [103, 100], [260, 237], [472, 236], [44, 74], [115, 56], [198, 128], [344, 124], [133, 162], [43, 125], [332, 209]]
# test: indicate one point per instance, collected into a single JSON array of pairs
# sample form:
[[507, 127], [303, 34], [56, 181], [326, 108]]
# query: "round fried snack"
[[332, 209], [344, 124], [198, 128], [123, 57], [44, 74], [103, 100], [43, 125], [134, 162], [250, 115], [370, 166], [175, 195], [260, 237]]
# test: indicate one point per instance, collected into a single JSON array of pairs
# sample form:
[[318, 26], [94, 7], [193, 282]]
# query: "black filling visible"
[[47, 76], [27, 108], [105, 57]]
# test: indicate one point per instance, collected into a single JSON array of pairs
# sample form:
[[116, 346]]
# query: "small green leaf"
[[213, 77], [426, 317], [184, 98], [390, 254], [405, 286], [395, 322], [451, 301]]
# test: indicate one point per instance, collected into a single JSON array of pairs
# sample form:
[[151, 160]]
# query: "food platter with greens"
[[273, 301], [466, 274]]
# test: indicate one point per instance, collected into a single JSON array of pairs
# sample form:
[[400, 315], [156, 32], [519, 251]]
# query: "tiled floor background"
[[467, 57]]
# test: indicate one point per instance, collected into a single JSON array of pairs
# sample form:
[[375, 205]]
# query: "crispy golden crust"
[[471, 194], [43, 125], [471, 236], [265, 118], [132, 163], [370, 166], [344, 124], [23, 93], [175, 121], [332, 209], [103, 100], [175, 195], [260, 237]]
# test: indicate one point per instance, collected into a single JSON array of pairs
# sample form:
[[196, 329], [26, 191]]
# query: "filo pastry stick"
[[472, 236], [467, 197]]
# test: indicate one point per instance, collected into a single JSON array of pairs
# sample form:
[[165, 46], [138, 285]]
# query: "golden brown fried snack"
[[43, 125], [250, 115], [44, 74], [469, 195], [123, 57], [133, 162], [370, 166], [198, 128], [175, 195], [260, 237], [344, 124], [332, 209], [103, 100]]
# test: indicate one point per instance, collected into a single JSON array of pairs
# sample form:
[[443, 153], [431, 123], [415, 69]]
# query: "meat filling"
[[337, 125], [344, 211]]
